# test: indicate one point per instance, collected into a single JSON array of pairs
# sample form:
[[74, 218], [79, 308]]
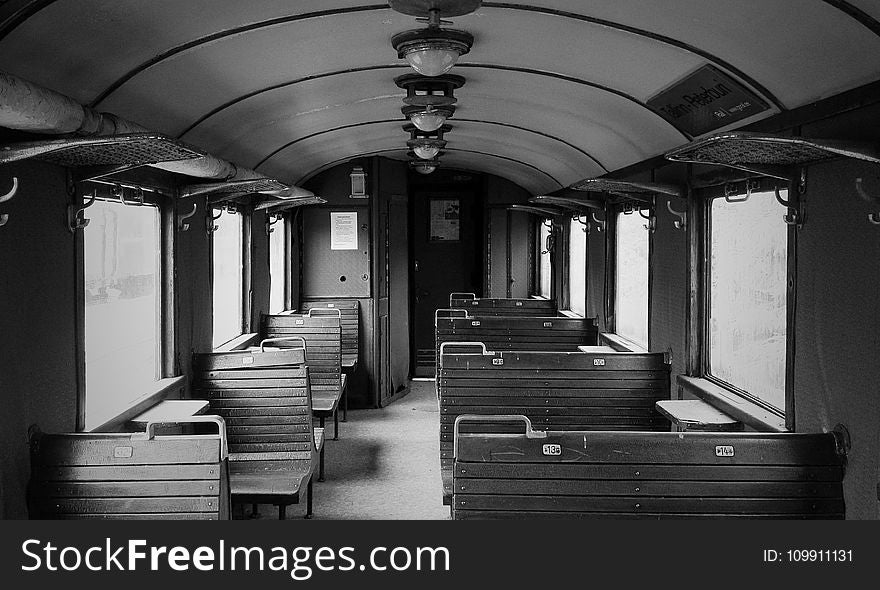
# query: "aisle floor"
[[385, 465]]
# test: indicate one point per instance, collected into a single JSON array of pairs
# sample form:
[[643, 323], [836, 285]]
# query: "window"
[[123, 321], [577, 267], [228, 274], [545, 268], [748, 256], [278, 266], [631, 279]]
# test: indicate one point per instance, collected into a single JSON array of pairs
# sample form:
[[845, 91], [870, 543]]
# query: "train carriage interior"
[[347, 251]]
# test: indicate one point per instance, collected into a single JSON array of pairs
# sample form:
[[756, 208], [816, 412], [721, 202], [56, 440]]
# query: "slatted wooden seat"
[[323, 337], [514, 332], [350, 321], [143, 475], [647, 475], [264, 396], [602, 390], [482, 306]]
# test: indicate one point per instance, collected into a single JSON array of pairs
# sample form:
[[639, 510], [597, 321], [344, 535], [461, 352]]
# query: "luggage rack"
[[627, 191], [278, 206], [128, 150], [255, 185], [546, 211], [770, 155], [569, 203]]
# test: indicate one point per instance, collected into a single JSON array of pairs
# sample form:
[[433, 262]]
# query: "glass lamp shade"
[[429, 61], [426, 152], [428, 120], [425, 167]]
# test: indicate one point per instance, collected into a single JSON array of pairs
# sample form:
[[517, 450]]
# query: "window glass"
[[577, 267], [544, 270], [747, 296], [122, 257], [631, 279], [226, 246], [277, 266]]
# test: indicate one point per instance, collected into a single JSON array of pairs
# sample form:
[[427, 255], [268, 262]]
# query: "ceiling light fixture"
[[432, 51], [423, 166], [426, 145], [429, 117]]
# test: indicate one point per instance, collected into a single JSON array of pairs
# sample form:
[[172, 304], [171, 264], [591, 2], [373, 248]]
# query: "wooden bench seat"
[[265, 398], [497, 306], [141, 475], [646, 475], [349, 313], [322, 335], [597, 390]]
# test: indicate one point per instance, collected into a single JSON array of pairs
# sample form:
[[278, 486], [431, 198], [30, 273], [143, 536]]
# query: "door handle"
[[416, 265]]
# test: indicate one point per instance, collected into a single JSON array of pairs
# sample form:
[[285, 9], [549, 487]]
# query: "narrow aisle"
[[386, 463]]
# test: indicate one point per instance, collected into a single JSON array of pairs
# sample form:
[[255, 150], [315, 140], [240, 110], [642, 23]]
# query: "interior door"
[[446, 248]]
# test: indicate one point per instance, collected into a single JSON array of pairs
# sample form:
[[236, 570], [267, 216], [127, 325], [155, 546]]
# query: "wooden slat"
[[86, 449]]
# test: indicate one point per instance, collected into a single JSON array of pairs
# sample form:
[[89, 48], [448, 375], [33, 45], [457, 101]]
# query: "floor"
[[385, 465]]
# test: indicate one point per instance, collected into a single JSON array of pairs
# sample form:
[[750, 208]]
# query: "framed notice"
[[343, 230], [445, 220]]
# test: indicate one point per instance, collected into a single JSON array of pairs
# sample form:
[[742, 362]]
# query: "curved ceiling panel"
[[560, 85]]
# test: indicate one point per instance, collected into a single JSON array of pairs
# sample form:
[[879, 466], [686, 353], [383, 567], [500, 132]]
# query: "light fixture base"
[[421, 8]]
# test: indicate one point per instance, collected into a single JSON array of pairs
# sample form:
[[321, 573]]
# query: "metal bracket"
[[210, 218], [681, 222], [651, 226], [118, 192], [181, 219], [600, 223], [4, 218], [75, 219], [730, 192], [270, 222], [873, 218], [795, 215]]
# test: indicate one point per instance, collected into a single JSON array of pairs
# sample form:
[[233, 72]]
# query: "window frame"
[[539, 248], [572, 225], [246, 293], [284, 225], [167, 337], [703, 200], [611, 229]]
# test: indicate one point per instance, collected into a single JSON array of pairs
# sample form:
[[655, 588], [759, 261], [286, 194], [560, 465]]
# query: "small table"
[[172, 410], [695, 414]]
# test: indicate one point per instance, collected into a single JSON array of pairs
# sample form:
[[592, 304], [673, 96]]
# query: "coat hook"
[[4, 218], [210, 218], [651, 226], [600, 223], [12, 192], [793, 217], [681, 222], [270, 221], [182, 218], [75, 219], [119, 192], [873, 218]]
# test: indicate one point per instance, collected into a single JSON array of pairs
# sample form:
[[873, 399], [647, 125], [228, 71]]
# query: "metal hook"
[[794, 216], [651, 226], [119, 192], [12, 192], [182, 218], [730, 192], [681, 222], [873, 218], [75, 220], [210, 218], [270, 222], [599, 222]]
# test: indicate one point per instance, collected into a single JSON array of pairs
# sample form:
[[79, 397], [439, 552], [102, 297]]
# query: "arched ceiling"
[[556, 90]]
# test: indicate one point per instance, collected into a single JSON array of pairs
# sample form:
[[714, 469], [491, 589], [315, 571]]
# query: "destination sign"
[[706, 100]]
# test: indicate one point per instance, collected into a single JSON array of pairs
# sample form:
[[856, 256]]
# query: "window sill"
[[620, 343], [160, 390], [738, 408], [238, 343], [567, 313]]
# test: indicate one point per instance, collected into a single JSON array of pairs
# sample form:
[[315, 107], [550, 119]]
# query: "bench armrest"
[[450, 313], [282, 339], [149, 432], [325, 311], [529, 431]]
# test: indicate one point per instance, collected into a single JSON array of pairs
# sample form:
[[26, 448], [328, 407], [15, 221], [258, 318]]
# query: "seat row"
[[531, 431], [262, 445]]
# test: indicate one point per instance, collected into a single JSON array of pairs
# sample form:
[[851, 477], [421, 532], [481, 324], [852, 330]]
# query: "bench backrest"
[[265, 398], [350, 322], [555, 390], [483, 306], [515, 332], [323, 337], [652, 475], [129, 476]]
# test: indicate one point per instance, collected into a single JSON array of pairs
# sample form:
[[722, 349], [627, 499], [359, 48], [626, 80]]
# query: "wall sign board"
[[343, 230], [706, 100], [444, 220]]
